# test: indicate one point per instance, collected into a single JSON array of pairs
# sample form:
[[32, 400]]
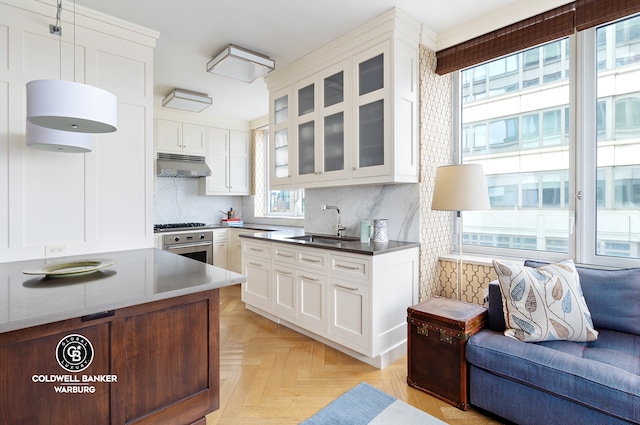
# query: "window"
[[617, 141], [272, 203], [288, 203], [524, 137]]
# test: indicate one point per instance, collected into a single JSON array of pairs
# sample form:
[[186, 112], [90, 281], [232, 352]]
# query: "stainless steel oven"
[[196, 245]]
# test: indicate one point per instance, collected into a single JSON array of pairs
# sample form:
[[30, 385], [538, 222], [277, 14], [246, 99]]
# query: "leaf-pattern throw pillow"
[[544, 303]]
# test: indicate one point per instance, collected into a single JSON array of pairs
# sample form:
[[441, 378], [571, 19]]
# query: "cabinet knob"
[[176, 239]]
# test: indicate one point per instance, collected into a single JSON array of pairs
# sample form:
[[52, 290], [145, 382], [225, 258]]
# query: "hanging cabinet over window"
[[347, 113]]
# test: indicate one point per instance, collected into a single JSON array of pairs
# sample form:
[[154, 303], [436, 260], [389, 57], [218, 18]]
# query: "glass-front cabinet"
[[372, 111], [334, 90], [320, 121], [306, 114], [279, 141], [353, 108]]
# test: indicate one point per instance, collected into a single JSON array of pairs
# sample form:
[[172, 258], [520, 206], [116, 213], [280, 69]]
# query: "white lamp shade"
[[70, 106], [240, 64], [460, 188], [56, 140]]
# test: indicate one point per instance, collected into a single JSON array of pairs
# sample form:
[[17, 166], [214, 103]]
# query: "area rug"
[[364, 404]]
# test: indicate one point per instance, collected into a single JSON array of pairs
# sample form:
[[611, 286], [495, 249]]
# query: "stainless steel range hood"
[[188, 166]]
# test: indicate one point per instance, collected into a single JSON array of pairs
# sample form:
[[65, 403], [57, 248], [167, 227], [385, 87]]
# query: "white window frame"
[[582, 162]]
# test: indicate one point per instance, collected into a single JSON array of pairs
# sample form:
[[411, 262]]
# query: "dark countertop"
[[347, 244], [283, 233], [138, 276], [246, 226]]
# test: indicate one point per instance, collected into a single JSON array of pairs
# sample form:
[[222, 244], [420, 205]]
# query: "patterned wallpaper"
[[438, 277], [435, 150]]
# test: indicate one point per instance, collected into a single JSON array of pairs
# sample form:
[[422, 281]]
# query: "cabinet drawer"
[[220, 235], [284, 254], [256, 249], [314, 259], [353, 267]]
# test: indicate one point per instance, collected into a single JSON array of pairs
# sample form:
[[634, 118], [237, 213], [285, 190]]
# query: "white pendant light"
[[47, 139], [70, 106]]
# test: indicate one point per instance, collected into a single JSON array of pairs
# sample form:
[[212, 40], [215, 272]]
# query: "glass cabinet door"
[[306, 148], [371, 122], [371, 131], [333, 114], [372, 109], [334, 142], [306, 115], [371, 75], [280, 151], [281, 109], [333, 89]]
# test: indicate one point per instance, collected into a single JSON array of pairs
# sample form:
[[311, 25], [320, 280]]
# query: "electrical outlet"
[[55, 250]]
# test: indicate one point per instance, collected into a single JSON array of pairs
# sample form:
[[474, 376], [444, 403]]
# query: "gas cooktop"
[[176, 226]]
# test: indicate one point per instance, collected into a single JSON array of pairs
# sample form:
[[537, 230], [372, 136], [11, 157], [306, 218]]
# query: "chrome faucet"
[[340, 227]]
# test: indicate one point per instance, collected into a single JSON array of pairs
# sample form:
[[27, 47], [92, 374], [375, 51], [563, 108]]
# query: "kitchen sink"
[[323, 239]]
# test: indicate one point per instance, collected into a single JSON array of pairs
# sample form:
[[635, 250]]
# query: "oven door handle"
[[187, 245]]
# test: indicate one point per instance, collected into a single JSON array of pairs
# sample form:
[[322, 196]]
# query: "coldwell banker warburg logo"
[[74, 353]]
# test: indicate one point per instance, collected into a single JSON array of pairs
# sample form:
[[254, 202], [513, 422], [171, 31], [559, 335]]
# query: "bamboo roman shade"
[[590, 13], [551, 25]]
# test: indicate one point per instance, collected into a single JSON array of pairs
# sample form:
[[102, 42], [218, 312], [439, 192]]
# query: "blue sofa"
[[564, 382]]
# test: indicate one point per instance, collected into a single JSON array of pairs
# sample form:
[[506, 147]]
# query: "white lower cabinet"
[[285, 291], [221, 248], [235, 249], [350, 308], [355, 303], [312, 301], [256, 266]]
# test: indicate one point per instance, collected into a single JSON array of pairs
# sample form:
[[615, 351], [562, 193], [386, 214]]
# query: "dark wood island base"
[[153, 363]]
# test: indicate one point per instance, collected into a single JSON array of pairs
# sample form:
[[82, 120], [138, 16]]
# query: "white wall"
[[88, 203]]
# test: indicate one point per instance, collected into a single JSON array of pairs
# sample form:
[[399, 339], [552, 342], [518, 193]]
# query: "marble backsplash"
[[177, 201], [399, 204]]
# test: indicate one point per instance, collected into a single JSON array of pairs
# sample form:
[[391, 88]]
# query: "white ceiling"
[[193, 31]]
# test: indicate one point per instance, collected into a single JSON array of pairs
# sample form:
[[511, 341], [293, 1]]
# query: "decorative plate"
[[70, 268]]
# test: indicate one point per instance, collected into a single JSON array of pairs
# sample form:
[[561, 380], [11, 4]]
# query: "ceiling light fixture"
[[67, 105], [187, 100], [240, 64], [48, 139]]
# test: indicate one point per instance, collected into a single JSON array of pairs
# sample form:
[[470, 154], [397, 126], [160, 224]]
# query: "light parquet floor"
[[270, 374]]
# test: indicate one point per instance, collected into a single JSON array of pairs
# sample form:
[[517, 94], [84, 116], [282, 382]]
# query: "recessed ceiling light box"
[[240, 64], [187, 100]]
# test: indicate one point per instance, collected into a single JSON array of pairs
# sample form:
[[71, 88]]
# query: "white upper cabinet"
[[372, 145], [351, 110], [178, 137], [280, 149], [228, 156]]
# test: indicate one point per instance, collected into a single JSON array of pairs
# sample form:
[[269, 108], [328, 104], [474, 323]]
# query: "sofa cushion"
[[613, 297], [544, 303], [603, 374]]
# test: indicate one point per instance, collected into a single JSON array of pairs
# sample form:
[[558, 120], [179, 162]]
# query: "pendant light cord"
[[74, 41], [59, 29]]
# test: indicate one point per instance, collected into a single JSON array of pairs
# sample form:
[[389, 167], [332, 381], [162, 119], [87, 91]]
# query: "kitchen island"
[[133, 343]]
